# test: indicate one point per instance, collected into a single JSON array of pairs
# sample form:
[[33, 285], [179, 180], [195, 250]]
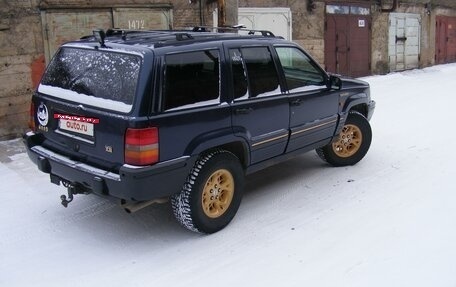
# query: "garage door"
[[276, 20], [404, 41], [347, 40], [445, 40], [64, 25]]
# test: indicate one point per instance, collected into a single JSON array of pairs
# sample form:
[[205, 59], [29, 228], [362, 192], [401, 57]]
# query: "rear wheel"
[[352, 144], [212, 193]]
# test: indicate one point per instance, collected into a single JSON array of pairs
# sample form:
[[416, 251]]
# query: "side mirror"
[[334, 83]]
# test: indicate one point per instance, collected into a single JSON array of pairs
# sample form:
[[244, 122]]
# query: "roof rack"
[[165, 37], [124, 32], [180, 35], [264, 33]]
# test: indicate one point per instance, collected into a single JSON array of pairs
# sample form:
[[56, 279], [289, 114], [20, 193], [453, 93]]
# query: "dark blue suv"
[[147, 116]]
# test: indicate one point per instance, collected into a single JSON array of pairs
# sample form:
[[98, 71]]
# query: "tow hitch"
[[72, 190]]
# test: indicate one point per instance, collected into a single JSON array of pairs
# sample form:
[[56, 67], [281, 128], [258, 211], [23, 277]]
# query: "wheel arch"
[[240, 150], [360, 108], [358, 102], [224, 140]]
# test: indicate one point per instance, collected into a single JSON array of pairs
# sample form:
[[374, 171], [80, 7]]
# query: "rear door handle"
[[243, 111]]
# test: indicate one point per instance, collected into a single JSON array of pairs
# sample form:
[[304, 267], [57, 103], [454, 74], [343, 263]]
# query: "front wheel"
[[352, 144], [212, 193]]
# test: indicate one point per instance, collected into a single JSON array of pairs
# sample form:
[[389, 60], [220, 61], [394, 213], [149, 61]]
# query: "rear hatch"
[[85, 103]]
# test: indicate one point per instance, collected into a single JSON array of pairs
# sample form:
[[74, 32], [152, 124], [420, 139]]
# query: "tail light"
[[141, 146], [31, 123]]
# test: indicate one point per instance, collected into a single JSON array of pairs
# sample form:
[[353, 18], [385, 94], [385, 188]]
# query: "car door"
[[313, 107], [260, 111]]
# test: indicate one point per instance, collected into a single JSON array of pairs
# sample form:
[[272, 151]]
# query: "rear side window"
[[191, 80], [255, 66], [93, 77]]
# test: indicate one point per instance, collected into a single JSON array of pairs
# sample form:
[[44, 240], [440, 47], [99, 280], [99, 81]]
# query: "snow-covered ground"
[[388, 221]]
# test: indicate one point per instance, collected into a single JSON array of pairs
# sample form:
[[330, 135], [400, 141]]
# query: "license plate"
[[82, 128]]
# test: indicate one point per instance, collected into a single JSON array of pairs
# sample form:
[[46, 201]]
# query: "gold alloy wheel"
[[349, 141], [218, 193]]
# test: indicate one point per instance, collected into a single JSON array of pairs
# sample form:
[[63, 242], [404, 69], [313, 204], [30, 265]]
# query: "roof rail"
[[264, 33], [183, 36], [124, 32], [180, 35], [116, 32]]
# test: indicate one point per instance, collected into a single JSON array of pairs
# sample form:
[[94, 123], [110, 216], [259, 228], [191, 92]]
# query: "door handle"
[[401, 39], [296, 102], [243, 111]]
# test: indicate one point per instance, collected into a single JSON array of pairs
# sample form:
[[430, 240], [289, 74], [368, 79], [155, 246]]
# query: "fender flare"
[[354, 100], [347, 105], [224, 139]]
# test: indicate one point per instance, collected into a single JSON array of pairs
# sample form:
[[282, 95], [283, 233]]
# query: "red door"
[[440, 40], [359, 46], [445, 40], [337, 44], [347, 44]]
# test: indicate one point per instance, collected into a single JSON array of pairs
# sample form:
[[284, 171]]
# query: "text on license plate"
[[77, 127]]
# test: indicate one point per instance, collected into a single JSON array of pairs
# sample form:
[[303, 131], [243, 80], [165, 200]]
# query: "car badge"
[[42, 115]]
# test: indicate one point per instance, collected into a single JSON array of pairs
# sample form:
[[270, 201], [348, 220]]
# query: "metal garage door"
[[347, 40], [404, 41], [276, 20], [62, 25], [445, 40]]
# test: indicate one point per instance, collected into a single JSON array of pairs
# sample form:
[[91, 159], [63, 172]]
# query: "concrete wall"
[[21, 54], [379, 44]]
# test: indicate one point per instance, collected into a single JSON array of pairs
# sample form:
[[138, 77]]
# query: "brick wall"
[[21, 56]]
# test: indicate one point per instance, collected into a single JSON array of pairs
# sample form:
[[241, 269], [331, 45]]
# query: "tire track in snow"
[[51, 220], [53, 224]]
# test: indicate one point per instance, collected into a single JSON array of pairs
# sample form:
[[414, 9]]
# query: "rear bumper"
[[131, 183]]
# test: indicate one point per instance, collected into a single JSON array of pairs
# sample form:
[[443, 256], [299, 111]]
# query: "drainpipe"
[[389, 10], [221, 4], [227, 13], [201, 13]]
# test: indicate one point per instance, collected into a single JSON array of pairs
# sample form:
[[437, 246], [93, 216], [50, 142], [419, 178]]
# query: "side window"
[[240, 86], [301, 73], [254, 66], [191, 80]]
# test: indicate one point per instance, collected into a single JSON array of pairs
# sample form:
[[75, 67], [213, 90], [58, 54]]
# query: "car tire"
[[352, 144], [212, 193]]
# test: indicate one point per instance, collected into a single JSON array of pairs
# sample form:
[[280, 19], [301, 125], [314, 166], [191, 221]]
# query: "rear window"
[[93, 77]]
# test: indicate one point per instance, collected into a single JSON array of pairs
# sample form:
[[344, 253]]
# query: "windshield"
[[93, 77]]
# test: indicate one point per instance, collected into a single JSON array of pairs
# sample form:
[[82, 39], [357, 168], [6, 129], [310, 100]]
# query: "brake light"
[[141, 146], [31, 123]]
